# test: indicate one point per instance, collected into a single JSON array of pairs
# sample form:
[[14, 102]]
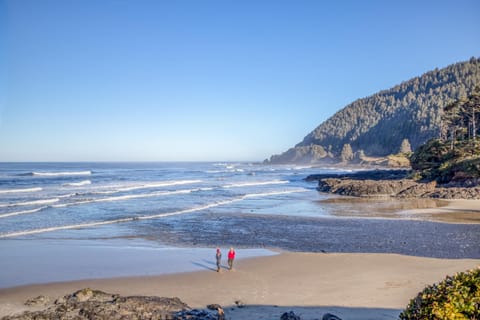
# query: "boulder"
[[38, 301], [290, 316], [240, 304], [329, 316]]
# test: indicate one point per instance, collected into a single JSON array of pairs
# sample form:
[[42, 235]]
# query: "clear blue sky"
[[84, 80]]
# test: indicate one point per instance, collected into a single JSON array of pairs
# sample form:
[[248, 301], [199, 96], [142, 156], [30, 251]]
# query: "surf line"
[[147, 217], [6, 215]]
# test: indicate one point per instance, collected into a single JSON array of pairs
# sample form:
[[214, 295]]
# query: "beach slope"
[[352, 286]]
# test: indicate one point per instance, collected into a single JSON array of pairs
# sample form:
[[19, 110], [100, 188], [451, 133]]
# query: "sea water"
[[111, 200]]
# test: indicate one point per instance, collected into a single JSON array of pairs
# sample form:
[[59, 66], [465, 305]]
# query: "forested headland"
[[397, 120]]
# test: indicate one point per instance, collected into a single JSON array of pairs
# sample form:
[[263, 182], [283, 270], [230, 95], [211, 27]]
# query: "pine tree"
[[347, 153], [405, 146]]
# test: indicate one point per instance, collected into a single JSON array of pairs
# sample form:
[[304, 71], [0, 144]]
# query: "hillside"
[[375, 126]]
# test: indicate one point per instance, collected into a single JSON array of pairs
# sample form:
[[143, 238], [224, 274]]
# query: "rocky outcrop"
[[98, 305], [94, 304], [363, 175], [389, 183], [329, 316], [289, 316], [456, 193], [365, 188], [38, 301]]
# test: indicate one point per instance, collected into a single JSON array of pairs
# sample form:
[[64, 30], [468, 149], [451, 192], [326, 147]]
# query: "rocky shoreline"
[[392, 183], [88, 303]]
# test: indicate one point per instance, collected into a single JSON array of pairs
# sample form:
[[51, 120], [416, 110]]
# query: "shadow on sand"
[[208, 265], [204, 266]]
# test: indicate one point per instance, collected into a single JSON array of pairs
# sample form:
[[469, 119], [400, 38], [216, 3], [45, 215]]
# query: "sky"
[[117, 80]]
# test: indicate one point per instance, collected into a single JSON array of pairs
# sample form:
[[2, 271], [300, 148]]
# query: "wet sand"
[[321, 234], [422, 209], [378, 207]]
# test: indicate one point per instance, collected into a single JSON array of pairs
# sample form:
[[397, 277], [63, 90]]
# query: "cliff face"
[[377, 125]]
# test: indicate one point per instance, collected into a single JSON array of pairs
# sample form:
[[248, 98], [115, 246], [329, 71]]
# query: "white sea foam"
[[6, 215], [59, 174], [29, 203], [126, 197], [273, 193], [20, 190], [146, 217], [78, 184], [257, 183], [215, 171], [158, 184]]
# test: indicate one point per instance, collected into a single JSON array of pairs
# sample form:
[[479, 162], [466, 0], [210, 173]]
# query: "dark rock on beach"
[[329, 316], [196, 315], [363, 175], [290, 316], [94, 304], [38, 301], [390, 183]]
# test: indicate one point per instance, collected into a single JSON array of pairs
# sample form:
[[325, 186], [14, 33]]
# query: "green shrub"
[[456, 298]]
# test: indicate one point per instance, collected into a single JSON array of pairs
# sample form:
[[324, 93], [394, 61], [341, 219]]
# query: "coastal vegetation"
[[456, 297], [455, 156], [401, 118]]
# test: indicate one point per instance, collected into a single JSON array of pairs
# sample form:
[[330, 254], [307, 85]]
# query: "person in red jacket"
[[231, 257]]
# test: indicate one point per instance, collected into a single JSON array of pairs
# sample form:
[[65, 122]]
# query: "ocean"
[[112, 200]]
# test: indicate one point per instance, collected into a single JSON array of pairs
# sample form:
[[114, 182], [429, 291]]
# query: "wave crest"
[[58, 174], [20, 190], [29, 203], [78, 184]]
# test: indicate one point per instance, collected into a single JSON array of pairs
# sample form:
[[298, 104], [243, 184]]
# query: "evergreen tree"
[[405, 146], [347, 153]]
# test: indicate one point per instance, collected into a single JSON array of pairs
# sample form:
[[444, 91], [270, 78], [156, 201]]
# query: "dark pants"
[[230, 264]]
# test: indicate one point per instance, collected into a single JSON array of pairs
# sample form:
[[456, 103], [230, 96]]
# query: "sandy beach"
[[352, 286]]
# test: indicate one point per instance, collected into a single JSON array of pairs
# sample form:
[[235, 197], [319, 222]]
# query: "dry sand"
[[352, 286]]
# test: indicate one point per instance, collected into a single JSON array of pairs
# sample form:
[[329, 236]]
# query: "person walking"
[[218, 256], [231, 257]]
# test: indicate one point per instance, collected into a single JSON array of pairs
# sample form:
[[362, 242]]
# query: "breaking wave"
[[147, 217], [78, 184], [59, 174], [253, 184], [11, 214], [20, 190], [148, 186], [126, 197], [29, 203]]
